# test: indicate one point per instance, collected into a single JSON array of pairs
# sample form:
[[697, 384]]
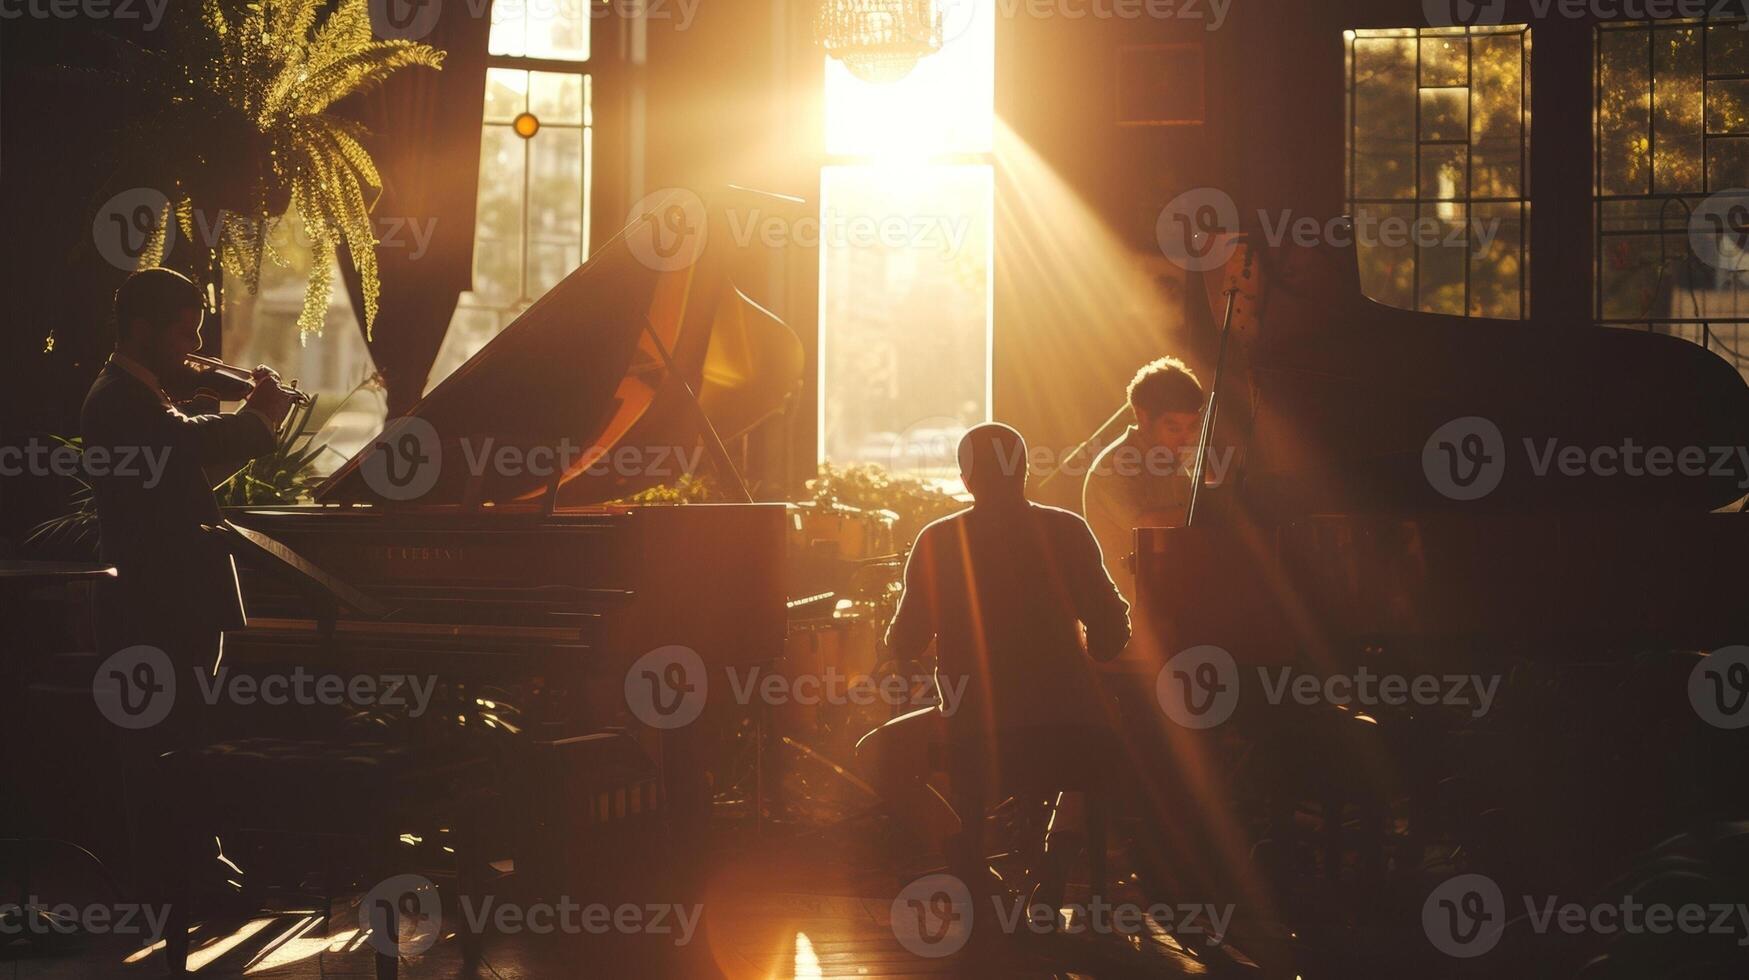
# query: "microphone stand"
[[1090, 440]]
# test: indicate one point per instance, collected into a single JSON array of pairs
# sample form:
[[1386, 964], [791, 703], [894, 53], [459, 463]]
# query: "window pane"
[[532, 224], [555, 213], [261, 328], [1727, 106], [1727, 49], [557, 29], [1676, 120], [1444, 57], [1497, 120], [506, 94], [1443, 173], [1387, 267], [1624, 111], [1384, 117], [946, 104], [1441, 257], [556, 99], [1497, 273], [905, 313], [1669, 115], [1445, 114], [498, 223], [1439, 120]]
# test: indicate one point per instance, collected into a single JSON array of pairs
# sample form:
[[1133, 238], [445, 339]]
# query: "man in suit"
[[176, 587], [1016, 599]]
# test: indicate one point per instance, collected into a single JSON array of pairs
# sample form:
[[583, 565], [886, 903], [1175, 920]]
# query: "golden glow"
[[297, 944], [807, 963], [210, 953], [945, 106], [906, 258], [526, 124], [1082, 308]]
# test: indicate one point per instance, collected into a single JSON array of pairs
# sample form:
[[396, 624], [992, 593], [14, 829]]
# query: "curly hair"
[[1165, 385]]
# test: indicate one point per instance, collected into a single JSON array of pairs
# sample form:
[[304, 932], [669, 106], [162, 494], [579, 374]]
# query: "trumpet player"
[[177, 591], [176, 588]]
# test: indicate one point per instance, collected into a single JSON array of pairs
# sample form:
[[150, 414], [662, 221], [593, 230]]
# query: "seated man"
[[1016, 600], [1143, 479]]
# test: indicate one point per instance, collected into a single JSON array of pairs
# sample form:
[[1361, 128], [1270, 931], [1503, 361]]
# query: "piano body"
[[1339, 543], [1341, 526], [476, 539]]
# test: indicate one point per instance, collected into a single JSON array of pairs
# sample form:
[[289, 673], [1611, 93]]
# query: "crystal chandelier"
[[879, 40]]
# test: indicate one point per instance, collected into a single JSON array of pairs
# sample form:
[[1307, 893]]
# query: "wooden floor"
[[784, 904]]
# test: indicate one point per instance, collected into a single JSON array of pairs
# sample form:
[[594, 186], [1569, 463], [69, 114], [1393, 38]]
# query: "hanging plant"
[[236, 122]]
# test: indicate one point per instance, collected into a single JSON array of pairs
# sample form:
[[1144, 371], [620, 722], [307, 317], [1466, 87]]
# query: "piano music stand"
[[713, 443]]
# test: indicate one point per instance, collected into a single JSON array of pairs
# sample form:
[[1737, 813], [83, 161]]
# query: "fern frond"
[[356, 156], [252, 83], [359, 70], [153, 254], [345, 30]]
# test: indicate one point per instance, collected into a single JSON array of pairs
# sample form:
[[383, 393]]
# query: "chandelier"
[[879, 40]]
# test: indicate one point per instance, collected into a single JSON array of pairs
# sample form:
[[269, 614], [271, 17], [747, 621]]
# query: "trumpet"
[[214, 378]]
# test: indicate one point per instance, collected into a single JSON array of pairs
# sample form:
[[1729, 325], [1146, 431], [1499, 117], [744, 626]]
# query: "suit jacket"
[[173, 579], [1017, 601]]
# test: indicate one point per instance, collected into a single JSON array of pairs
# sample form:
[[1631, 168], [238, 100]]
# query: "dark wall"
[[57, 168]]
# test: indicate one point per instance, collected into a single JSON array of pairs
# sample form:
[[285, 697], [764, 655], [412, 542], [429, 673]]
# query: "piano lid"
[[1334, 403], [574, 403]]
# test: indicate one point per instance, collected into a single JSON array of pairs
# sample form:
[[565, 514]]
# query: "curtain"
[[425, 139]]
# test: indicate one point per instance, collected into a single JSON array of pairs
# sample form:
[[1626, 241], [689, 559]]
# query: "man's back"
[[1005, 591]]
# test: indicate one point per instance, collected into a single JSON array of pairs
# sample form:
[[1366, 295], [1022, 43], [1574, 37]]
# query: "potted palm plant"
[[236, 122]]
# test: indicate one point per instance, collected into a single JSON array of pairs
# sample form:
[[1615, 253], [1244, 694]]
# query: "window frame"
[[1601, 237], [1418, 199], [943, 159]]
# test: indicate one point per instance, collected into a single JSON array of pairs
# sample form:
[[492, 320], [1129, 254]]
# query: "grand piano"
[[1389, 510], [478, 539], [1408, 478]]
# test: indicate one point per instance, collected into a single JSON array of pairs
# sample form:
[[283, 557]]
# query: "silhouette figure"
[[176, 587], [1016, 599]]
